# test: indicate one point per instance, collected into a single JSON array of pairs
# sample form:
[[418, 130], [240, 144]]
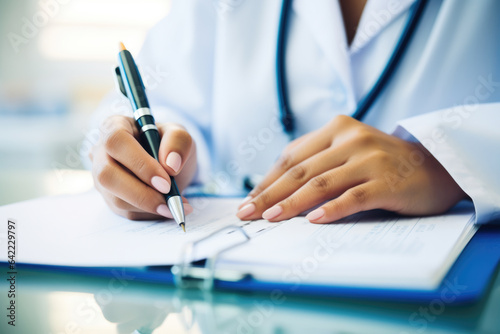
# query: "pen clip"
[[119, 81]]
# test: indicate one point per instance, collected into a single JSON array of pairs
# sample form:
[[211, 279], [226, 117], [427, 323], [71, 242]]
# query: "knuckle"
[[132, 215], [298, 172], [182, 137], [142, 201], [343, 208], [140, 167], [118, 203], [288, 148], [285, 161], [175, 126], [104, 175], [381, 157], [342, 119], [256, 190], [292, 144], [112, 139], [264, 199], [359, 195], [364, 137], [290, 202], [321, 183]]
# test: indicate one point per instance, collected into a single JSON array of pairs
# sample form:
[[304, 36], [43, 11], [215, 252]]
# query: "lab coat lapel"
[[324, 19], [377, 15]]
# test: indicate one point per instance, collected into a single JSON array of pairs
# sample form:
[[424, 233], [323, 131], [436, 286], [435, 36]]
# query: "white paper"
[[361, 250], [80, 230]]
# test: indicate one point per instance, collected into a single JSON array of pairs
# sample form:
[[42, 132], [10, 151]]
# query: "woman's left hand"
[[351, 167]]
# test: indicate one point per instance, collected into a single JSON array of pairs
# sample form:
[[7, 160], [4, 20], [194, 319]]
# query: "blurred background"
[[56, 63]]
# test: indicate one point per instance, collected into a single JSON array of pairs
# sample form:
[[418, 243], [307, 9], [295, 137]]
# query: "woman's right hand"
[[130, 180]]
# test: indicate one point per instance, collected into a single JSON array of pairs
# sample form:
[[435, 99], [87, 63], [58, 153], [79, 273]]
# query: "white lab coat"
[[210, 65]]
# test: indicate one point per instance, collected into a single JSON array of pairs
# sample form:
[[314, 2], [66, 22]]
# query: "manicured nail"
[[246, 211], [315, 215], [188, 208], [246, 199], [174, 161], [273, 212], [160, 184], [164, 211]]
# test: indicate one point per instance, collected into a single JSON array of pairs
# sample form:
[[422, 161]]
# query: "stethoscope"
[[286, 116]]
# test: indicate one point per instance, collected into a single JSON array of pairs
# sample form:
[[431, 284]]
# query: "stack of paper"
[[364, 250]]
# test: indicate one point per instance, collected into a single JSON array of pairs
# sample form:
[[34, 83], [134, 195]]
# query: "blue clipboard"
[[466, 282]]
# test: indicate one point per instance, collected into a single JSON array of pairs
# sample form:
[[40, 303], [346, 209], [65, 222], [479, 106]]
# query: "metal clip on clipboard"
[[187, 275]]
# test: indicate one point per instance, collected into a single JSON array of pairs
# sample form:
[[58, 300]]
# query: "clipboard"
[[466, 282]]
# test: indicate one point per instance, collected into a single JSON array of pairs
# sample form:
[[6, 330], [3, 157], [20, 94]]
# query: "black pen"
[[131, 85]]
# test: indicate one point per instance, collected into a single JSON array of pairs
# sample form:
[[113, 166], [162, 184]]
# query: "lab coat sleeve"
[[466, 141]]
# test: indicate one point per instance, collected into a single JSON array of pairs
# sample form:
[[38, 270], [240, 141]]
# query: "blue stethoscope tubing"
[[286, 116]]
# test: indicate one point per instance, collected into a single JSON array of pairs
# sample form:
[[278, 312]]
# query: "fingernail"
[[188, 208], [315, 215], [273, 212], [164, 211], [160, 184], [174, 161], [246, 211], [246, 199]]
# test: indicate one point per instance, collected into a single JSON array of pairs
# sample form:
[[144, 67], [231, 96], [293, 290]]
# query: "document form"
[[368, 249]]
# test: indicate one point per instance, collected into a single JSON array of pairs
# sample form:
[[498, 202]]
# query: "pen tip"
[[122, 47], [183, 227]]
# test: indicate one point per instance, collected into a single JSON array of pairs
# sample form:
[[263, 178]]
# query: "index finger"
[[120, 142], [296, 152]]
